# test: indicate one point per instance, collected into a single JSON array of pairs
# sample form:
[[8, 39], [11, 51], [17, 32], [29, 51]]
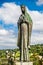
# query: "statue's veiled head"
[[23, 9]]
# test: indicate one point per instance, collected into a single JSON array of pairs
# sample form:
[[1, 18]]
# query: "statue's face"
[[23, 9]]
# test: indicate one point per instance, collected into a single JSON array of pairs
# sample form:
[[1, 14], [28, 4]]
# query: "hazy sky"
[[9, 14]]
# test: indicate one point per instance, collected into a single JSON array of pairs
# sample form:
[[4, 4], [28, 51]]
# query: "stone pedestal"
[[24, 63]]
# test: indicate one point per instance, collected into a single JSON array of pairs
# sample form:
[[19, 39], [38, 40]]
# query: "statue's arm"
[[20, 20], [18, 23]]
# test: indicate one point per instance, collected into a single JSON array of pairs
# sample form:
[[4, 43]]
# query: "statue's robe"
[[27, 29]]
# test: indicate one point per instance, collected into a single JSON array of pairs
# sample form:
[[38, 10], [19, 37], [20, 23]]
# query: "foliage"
[[34, 52]]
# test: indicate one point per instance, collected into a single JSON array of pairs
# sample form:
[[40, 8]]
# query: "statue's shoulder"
[[28, 17]]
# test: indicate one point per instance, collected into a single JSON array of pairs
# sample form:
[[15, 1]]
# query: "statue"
[[24, 34]]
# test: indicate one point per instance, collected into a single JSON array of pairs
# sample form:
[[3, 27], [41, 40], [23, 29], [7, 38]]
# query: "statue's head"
[[23, 8]]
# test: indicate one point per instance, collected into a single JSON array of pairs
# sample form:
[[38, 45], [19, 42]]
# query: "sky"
[[9, 15]]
